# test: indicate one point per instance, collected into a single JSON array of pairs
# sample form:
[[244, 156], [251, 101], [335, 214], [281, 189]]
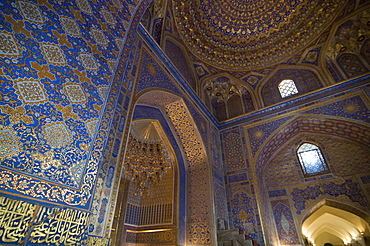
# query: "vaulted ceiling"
[[245, 35], [335, 225], [235, 53]]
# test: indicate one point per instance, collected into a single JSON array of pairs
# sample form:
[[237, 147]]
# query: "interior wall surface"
[[339, 126], [71, 74], [64, 69]]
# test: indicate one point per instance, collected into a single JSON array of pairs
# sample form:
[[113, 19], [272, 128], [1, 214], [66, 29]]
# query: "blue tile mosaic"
[[277, 193], [349, 189]]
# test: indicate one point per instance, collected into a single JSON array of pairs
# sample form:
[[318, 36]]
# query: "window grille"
[[287, 87], [311, 160]]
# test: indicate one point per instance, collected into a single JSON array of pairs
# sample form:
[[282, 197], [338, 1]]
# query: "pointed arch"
[[196, 221], [229, 97], [310, 124], [247, 86], [339, 205]]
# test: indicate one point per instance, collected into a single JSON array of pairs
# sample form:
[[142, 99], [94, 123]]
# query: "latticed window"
[[311, 159], [287, 87]]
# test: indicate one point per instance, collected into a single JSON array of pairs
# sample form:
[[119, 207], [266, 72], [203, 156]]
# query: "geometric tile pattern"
[[75, 93], [57, 134], [277, 193], [9, 47], [153, 75], [258, 134], [283, 174], [284, 179], [147, 238], [31, 12], [31, 91], [234, 36], [108, 177], [198, 212], [348, 188], [220, 201], [241, 194], [149, 79], [215, 146], [333, 70], [198, 225], [70, 26], [233, 151], [351, 108], [54, 55], [351, 65], [97, 241], [284, 169], [9, 145], [179, 60]]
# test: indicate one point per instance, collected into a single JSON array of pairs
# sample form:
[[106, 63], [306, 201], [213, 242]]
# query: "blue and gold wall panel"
[[339, 125], [219, 187], [108, 176], [241, 194], [285, 222], [57, 62], [58, 65]]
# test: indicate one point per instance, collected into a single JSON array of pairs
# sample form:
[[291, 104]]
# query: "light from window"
[[311, 159], [287, 88]]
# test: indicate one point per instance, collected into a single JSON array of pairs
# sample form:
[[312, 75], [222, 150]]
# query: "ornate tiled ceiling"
[[250, 34]]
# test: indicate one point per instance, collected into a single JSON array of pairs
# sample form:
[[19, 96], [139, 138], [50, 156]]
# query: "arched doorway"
[[193, 216], [335, 226], [147, 205]]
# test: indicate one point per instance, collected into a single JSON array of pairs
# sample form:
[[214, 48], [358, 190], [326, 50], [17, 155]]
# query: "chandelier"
[[147, 159]]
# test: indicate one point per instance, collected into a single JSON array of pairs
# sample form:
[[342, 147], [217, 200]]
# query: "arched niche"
[[195, 216], [227, 97], [277, 150]]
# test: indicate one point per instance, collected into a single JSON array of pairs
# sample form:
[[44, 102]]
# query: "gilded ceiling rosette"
[[251, 34]]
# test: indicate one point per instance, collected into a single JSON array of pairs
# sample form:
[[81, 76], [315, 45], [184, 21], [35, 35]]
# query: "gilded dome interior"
[[245, 35]]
